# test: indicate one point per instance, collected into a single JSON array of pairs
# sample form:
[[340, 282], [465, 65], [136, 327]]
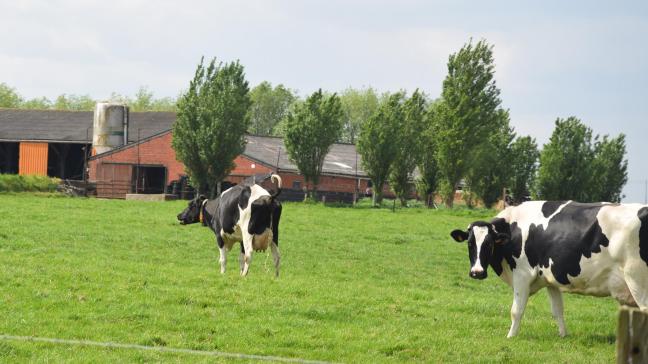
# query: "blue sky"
[[553, 58]]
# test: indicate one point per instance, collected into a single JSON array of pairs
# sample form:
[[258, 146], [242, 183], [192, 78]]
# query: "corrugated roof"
[[73, 126], [76, 127], [341, 159]]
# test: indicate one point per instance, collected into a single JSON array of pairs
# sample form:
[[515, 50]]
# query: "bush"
[[16, 183]]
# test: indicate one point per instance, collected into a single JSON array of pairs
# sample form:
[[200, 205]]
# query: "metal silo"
[[110, 127]]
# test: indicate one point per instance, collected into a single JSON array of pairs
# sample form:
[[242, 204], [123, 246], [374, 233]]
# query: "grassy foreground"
[[357, 285]]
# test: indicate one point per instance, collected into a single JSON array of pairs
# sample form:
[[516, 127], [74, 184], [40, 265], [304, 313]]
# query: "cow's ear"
[[459, 235], [502, 238]]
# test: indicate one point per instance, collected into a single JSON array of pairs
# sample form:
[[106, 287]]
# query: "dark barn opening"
[[9, 154], [149, 179], [66, 160]]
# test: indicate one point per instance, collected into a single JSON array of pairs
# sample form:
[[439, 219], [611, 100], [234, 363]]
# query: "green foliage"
[[400, 293], [74, 103], [489, 172], [609, 169], [28, 183], [428, 180], [377, 143], [269, 106], [410, 142], [9, 98], [565, 162], [575, 166], [467, 115], [358, 106], [524, 164], [42, 103], [311, 128], [211, 122], [145, 101]]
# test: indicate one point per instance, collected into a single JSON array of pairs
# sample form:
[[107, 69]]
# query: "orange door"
[[33, 159]]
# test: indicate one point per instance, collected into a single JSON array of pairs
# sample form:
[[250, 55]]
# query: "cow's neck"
[[503, 262], [206, 216]]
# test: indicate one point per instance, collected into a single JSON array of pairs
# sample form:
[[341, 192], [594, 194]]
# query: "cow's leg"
[[520, 298], [276, 257], [223, 253], [637, 281], [247, 254], [557, 309], [241, 259]]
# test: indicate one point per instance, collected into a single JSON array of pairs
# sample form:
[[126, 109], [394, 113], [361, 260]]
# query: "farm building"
[[61, 144], [150, 166]]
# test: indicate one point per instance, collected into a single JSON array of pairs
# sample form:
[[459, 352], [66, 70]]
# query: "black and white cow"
[[596, 249], [244, 213]]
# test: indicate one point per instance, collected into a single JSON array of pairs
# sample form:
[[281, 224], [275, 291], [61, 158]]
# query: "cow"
[[245, 213], [597, 249]]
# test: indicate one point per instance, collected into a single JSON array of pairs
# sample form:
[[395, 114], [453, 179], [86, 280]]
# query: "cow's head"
[[482, 237], [191, 214]]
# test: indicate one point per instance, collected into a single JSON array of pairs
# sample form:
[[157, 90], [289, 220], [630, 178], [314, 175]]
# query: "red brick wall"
[[158, 151], [154, 151]]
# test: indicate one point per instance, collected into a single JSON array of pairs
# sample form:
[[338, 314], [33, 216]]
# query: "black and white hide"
[[596, 249], [246, 214]]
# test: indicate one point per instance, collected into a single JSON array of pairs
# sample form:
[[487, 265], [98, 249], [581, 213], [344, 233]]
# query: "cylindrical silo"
[[110, 126]]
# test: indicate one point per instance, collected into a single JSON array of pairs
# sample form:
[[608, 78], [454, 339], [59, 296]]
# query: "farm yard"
[[356, 285]]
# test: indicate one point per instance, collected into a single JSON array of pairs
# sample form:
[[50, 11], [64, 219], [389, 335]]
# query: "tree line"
[[461, 140]]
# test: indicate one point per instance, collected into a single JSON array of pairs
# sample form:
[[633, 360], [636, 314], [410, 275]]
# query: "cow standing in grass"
[[596, 249], [244, 213]]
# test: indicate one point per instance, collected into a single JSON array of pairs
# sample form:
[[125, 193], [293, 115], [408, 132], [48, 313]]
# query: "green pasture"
[[357, 285]]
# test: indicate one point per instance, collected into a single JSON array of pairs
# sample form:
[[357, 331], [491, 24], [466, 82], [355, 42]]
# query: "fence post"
[[632, 336]]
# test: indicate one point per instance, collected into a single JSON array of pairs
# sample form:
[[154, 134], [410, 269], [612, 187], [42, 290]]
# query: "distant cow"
[[244, 213], [596, 249]]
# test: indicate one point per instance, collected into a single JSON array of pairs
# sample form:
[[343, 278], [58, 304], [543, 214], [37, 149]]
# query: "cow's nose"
[[477, 273]]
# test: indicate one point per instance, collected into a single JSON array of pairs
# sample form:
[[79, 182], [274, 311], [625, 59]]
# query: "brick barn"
[[150, 166], [59, 144]]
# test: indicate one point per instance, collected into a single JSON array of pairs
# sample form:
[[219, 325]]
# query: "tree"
[[311, 128], [409, 141], [488, 173], [9, 98], [143, 100], [609, 169], [269, 106], [524, 154], [428, 180], [565, 162], [211, 122], [358, 106], [74, 103], [41, 103], [467, 115], [376, 143]]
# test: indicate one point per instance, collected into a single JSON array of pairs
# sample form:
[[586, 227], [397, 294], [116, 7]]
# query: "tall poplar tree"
[[211, 122], [377, 144], [468, 114], [311, 128], [409, 143]]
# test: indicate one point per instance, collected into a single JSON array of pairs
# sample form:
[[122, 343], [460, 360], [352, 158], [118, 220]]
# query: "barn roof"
[[341, 159], [73, 126], [76, 127], [267, 150]]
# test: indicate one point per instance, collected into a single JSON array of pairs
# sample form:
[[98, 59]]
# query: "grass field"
[[357, 285]]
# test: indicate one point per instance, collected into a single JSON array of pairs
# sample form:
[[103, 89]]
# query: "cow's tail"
[[275, 178]]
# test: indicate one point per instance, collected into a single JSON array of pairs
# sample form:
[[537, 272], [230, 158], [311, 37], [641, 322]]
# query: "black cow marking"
[[572, 233], [508, 251], [261, 212], [549, 207], [643, 234]]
